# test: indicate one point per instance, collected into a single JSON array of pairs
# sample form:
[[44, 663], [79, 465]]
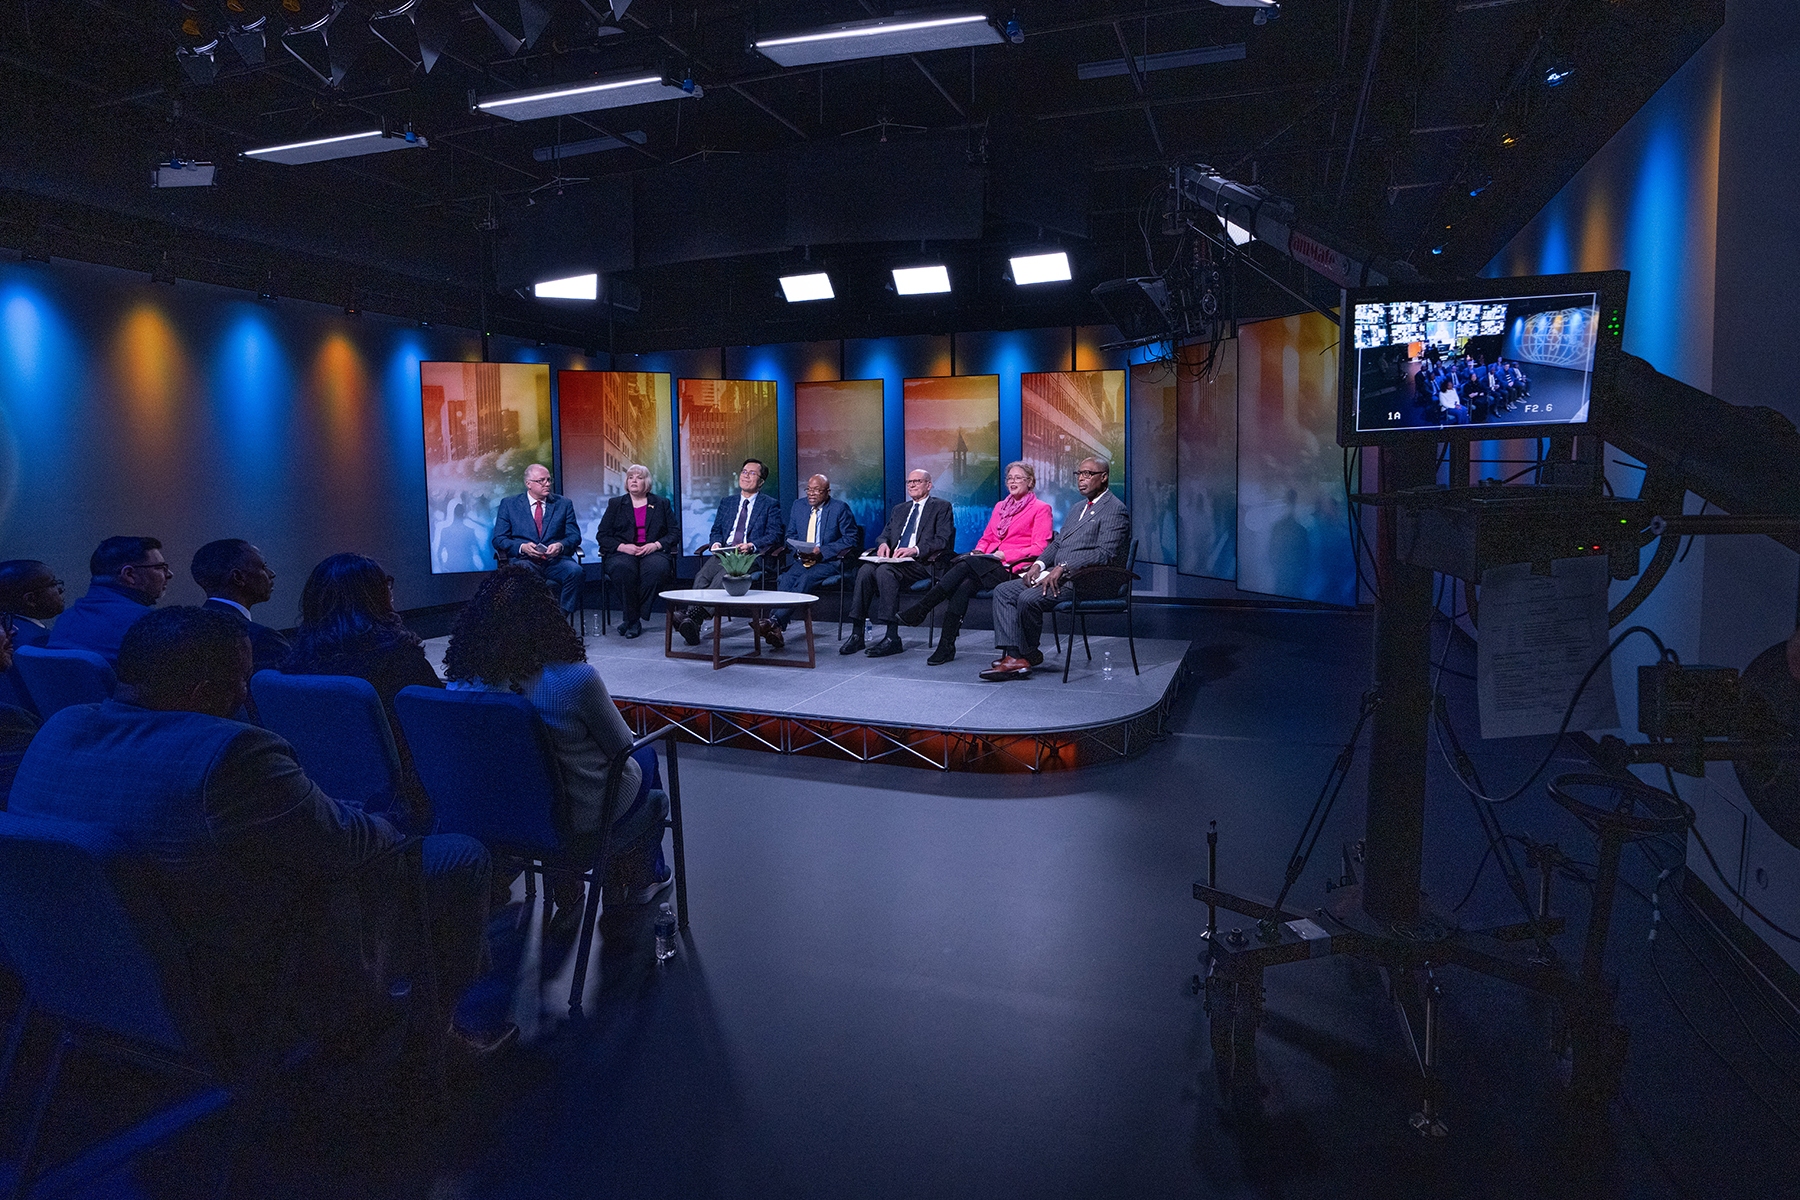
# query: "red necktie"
[[537, 514]]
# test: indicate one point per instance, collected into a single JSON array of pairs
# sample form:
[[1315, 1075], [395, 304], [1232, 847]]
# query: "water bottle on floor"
[[665, 932], [1106, 666]]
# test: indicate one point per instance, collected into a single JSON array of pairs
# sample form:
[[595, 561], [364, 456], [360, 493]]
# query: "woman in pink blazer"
[[1016, 534]]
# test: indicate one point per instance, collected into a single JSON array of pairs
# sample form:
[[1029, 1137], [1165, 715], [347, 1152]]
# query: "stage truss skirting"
[[933, 748]]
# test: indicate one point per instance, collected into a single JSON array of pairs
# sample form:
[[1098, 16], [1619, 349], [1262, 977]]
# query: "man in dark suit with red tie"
[[538, 528]]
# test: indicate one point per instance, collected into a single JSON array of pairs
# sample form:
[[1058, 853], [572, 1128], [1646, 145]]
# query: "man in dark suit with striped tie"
[[538, 528]]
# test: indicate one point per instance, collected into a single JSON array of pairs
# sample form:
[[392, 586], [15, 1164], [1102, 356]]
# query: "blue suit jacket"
[[513, 526], [98, 620], [837, 528], [763, 529], [26, 632]]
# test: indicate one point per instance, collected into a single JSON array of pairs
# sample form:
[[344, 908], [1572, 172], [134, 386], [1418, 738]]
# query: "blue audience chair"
[[339, 732], [1093, 591], [56, 679], [99, 957], [491, 772]]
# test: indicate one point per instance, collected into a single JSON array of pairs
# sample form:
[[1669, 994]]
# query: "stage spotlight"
[[181, 173], [1238, 234], [250, 41], [319, 41], [816, 286], [575, 287], [881, 37], [515, 23], [1040, 268], [199, 63], [584, 97], [920, 281], [348, 145]]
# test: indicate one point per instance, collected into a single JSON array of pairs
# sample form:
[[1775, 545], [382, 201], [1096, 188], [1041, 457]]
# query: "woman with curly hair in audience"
[[511, 636], [348, 626]]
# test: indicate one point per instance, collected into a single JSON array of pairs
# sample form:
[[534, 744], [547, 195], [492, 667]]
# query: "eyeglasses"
[[1090, 472], [165, 568]]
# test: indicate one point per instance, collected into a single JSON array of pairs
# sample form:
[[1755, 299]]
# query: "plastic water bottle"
[[665, 932], [1106, 666]]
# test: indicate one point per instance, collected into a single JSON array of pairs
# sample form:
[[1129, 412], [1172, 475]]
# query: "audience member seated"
[[747, 520], [510, 638], [919, 530], [635, 534], [539, 529], [1097, 532], [16, 726], [31, 596], [243, 848], [348, 626], [819, 521], [129, 577], [234, 576], [1017, 532]]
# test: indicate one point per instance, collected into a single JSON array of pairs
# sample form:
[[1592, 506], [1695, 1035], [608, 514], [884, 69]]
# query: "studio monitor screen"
[[1486, 358]]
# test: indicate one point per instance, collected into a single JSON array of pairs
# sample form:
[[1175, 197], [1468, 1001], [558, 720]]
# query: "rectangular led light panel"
[[582, 97], [806, 287], [348, 145], [880, 37], [919, 281]]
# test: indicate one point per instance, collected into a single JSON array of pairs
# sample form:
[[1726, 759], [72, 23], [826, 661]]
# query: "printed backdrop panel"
[[484, 424]]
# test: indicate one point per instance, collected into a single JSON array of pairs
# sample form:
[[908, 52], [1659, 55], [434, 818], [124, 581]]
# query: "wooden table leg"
[[718, 620], [810, 659]]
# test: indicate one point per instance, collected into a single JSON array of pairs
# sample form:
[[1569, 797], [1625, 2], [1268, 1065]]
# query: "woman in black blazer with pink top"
[[638, 539]]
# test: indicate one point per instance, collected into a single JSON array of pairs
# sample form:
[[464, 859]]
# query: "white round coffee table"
[[758, 603]]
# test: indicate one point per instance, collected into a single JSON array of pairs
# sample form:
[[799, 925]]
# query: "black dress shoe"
[[689, 629], [852, 644], [632, 630], [946, 650], [885, 647]]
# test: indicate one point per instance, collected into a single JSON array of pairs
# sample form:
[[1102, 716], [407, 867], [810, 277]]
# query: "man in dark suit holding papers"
[[828, 528], [539, 529], [1096, 532], [920, 529]]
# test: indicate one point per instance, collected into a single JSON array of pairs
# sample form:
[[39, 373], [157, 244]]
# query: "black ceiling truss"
[[1378, 118]]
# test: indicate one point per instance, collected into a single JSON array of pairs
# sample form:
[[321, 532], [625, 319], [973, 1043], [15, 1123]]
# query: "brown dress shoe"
[[1007, 668], [770, 633]]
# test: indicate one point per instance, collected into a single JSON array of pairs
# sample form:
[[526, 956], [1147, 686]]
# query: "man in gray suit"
[[1097, 532]]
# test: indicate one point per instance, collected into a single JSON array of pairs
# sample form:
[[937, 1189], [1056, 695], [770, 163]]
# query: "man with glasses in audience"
[[1097, 531], [129, 575], [31, 596]]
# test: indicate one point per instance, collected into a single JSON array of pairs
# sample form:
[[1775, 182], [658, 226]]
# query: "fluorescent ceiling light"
[[575, 287], [807, 287], [1041, 268], [348, 145], [582, 97], [917, 281], [177, 173], [881, 37], [1237, 233], [1248, 3], [1166, 61]]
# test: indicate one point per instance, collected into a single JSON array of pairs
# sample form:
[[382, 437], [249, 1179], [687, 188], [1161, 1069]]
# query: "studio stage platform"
[[897, 709]]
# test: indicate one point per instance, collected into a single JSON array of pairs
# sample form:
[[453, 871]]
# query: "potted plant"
[[737, 564]]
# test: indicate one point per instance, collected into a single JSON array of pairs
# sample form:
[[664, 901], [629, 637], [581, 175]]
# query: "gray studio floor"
[[901, 688], [900, 983]]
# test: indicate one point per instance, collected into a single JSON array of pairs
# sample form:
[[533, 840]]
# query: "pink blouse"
[[1025, 538]]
